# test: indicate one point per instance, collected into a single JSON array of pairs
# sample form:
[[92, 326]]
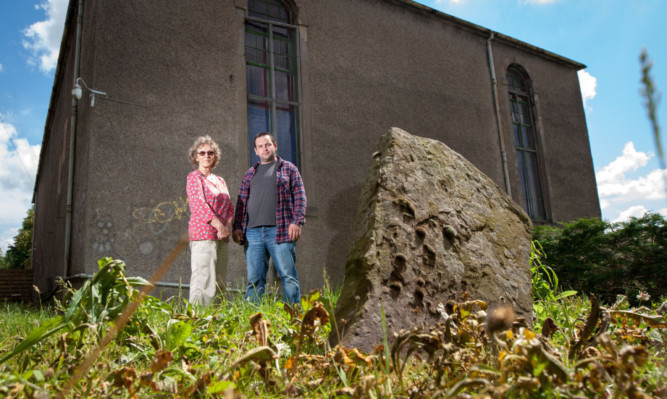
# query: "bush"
[[608, 259]]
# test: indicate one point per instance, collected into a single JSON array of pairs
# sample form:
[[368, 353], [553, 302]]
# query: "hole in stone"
[[429, 256], [406, 207], [421, 232]]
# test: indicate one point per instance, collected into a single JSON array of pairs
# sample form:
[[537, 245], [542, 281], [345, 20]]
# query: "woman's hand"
[[223, 232]]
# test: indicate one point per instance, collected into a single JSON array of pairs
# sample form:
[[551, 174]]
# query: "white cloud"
[[630, 160], [43, 37], [636, 211], [649, 187], [0, 67], [615, 188], [588, 84], [604, 204], [18, 167]]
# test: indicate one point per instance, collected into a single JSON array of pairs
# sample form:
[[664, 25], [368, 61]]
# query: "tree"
[[2, 260], [608, 259], [19, 254]]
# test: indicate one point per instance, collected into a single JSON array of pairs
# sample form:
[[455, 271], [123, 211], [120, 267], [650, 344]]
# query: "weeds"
[[236, 348]]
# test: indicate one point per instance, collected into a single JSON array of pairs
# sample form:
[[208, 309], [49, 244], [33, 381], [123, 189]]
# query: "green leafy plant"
[[549, 301], [100, 299]]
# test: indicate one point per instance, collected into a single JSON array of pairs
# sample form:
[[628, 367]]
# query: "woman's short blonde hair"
[[200, 142]]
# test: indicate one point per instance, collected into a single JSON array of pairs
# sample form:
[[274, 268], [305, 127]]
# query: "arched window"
[[272, 76], [525, 143]]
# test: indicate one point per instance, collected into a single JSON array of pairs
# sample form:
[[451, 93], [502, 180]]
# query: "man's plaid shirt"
[[291, 199]]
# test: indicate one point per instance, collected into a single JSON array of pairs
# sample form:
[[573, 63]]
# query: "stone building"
[[327, 77]]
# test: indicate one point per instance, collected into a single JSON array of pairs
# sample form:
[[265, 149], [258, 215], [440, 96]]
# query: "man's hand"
[[294, 232], [237, 236]]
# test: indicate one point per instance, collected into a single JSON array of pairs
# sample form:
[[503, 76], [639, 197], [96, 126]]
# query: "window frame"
[[272, 98], [533, 191]]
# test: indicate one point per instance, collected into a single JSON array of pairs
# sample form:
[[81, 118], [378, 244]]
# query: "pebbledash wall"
[[174, 70]]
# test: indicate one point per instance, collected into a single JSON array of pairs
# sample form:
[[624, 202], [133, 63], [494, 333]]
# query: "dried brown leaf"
[[315, 317], [591, 323], [125, 377], [345, 391], [341, 357], [293, 312], [653, 321], [146, 379], [634, 355], [161, 361], [259, 354], [260, 328]]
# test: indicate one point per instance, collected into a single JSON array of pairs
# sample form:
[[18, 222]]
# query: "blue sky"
[[605, 35]]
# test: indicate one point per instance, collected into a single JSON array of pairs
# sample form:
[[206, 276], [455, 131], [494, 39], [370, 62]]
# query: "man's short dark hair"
[[260, 134]]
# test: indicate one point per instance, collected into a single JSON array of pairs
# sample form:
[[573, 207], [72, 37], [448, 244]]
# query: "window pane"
[[535, 192], [257, 8], [528, 139], [256, 28], [283, 33], [532, 200], [250, 55], [522, 179], [284, 86], [513, 108], [268, 9], [515, 81], [525, 113], [257, 80], [277, 46], [517, 135], [286, 123], [249, 39], [274, 11], [255, 45], [259, 120]]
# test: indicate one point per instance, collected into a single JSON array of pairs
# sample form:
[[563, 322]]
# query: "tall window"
[[272, 76], [526, 146]]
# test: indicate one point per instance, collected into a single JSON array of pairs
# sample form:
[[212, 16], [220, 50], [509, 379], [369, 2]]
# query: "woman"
[[210, 221]]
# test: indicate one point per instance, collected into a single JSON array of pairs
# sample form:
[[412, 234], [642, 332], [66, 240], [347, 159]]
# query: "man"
[[270, 210]]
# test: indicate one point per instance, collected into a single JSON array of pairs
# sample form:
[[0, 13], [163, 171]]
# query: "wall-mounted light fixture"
[[77, 91]]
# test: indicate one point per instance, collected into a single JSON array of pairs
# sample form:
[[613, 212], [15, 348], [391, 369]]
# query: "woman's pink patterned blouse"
[[208, 198]]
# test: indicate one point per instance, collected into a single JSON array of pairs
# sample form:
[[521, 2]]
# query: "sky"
[[605, 35]]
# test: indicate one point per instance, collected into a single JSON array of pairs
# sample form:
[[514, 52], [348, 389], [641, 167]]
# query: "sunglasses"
[[202, 153]]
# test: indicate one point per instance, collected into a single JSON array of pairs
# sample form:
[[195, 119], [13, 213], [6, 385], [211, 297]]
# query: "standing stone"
[[430, 226]]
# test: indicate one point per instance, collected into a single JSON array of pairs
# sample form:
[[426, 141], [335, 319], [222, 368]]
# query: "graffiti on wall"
[[158, 217], [104, 236]]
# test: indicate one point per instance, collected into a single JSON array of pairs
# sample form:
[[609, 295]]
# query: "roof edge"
[[486, 31]]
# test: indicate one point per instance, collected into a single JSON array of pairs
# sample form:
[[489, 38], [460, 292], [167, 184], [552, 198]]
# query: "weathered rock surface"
[[430, 226]]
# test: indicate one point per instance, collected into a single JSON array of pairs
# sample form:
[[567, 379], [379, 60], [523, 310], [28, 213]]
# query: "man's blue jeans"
[[260, 244]]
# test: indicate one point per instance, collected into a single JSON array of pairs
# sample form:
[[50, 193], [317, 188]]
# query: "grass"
[[17, 319], [236, 348]]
